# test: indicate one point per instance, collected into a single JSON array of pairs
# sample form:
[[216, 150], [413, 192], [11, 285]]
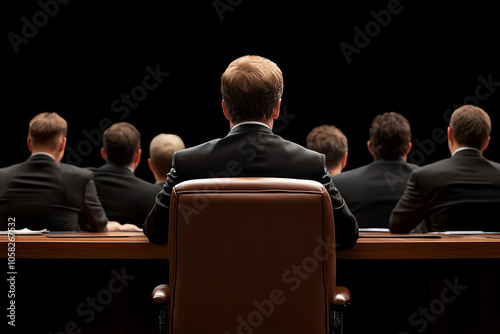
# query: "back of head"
[[46, 128], [329, 140], [121, 141], [251, 87], [390, 134], [161, 151], [471, 126]]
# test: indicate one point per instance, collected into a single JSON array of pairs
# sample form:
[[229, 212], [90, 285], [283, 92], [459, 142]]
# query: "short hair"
[[161, 151], [121, 141], [45, 128], [251, 87], [471, 126], [329, 140], [390, 134]]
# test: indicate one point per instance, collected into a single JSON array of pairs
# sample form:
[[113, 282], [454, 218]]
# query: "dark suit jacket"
[[458, 193], [125, 197], [250, 150], [372, 191], [41, 193]]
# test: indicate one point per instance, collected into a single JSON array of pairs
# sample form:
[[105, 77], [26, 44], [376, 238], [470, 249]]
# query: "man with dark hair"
[[251, 89], [124, 196], [43, 193], [161, 152], [331, 141], [458, 193], [373, 190]]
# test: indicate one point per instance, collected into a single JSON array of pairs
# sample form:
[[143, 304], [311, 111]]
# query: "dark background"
[[426, 61]]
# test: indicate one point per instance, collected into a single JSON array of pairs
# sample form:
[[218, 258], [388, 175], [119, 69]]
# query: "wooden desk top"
[[85, 245], [384, 246], [134, 245]]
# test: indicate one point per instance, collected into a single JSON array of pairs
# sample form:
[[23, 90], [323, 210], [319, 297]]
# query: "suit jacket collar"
[[116, 169], [396, 161], [41, 157], [250, 128], [467, 153]]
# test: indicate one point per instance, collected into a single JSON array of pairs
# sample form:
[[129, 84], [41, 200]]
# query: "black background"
[[425, 61]]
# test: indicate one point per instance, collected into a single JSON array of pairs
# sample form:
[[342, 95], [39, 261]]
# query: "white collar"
[[465, 148], [44, 153], [251, 122]]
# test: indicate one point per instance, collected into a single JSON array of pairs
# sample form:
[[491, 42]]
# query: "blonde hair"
[[161, 151], [46, 128], [251, 87]]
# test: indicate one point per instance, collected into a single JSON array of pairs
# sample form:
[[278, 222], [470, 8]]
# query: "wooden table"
[[134, 245], [85, 245], [390, 278], [386, 246]]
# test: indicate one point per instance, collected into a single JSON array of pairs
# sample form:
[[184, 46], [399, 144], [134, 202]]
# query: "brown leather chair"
[[251, 255]]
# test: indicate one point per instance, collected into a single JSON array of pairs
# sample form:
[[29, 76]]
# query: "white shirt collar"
[[465, 148], [44, 153], [252, 122]]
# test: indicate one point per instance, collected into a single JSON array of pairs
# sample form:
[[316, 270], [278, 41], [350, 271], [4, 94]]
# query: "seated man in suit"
[[331, 141], [458, 193], [161, 151], [43, 193], [251, 90], [125, 197], [372, 191]]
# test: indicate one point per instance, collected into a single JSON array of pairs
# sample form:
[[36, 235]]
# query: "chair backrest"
[[251, 255]]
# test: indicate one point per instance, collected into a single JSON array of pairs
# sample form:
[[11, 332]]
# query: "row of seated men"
[[458, 193], [43, 193]]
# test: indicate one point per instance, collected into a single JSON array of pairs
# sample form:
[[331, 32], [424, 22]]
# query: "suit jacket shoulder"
[[373, 190], [125, 197], [44, 193]]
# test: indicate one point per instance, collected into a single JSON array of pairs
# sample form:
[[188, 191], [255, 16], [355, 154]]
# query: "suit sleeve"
[[346, 226], [156, 225], [410, 209], [94, 217]]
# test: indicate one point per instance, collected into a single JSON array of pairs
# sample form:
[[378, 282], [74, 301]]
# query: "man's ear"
[[150, 164], [451, 139], [137, 157], [30, 147], [486, 145], [103, 154], [369, 146], [62, 146], [224, 110], [344, 160], [276, 111], [409, 148]]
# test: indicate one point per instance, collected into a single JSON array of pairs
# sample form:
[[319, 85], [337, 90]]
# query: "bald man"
[[161, 152]]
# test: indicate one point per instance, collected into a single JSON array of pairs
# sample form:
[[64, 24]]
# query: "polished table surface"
[[134, 245], [85, 245]]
